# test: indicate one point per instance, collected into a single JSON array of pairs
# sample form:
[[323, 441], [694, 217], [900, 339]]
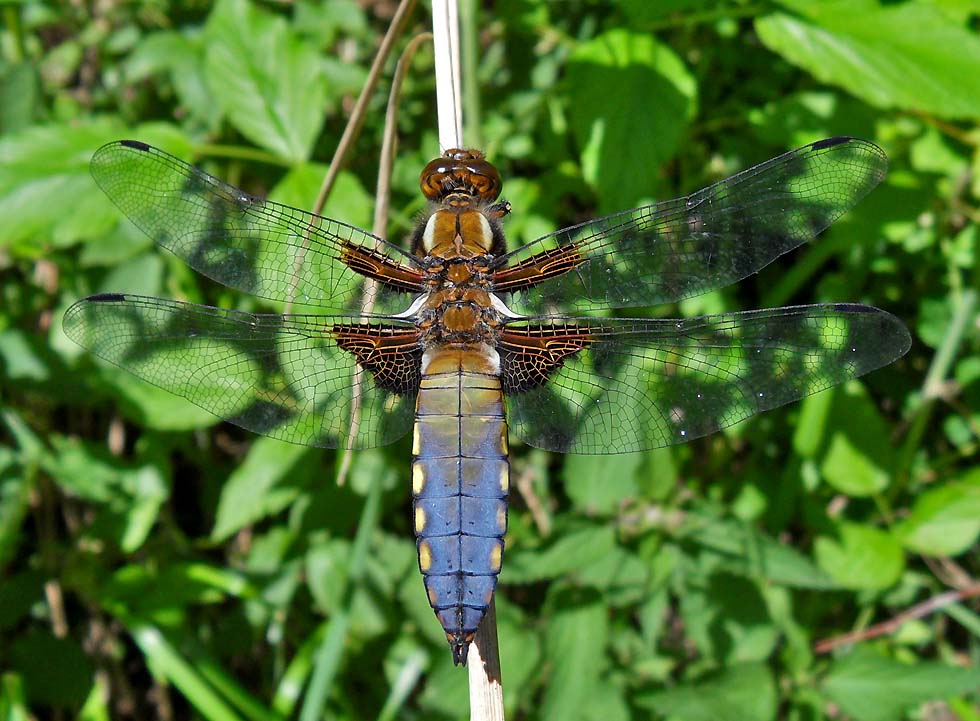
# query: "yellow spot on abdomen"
[[416, 440], [425, 559], [502, 518], [495, 556], [419, 519], [503, 439], [505, 479], [418, 478]]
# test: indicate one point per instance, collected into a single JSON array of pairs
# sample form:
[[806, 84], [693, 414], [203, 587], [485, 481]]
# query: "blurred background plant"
[[158, 564]]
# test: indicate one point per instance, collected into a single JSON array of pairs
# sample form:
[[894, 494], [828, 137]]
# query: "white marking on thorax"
[[428, 235], [414, 308], [486, 234], [501, 307]]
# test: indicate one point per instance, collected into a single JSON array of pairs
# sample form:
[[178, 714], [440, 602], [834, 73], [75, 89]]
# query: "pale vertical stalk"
[[351, 131], [380, 226], [483, 658], [483, 665], [445, 40]]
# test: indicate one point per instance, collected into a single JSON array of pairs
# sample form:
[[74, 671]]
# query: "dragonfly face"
[[460, 339]]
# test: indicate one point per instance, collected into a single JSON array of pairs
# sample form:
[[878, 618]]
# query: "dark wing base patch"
[[528, 356], [393, 357]]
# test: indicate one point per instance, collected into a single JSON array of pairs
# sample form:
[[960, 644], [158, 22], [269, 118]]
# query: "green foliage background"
[[155, 564]]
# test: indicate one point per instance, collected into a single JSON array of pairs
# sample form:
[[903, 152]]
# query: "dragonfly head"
[[460, 171]]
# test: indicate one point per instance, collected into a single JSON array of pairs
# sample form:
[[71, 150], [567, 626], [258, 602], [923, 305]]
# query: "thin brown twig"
[[351, 131], [380, 225], [891, 625], [538, 514], [360, 107]]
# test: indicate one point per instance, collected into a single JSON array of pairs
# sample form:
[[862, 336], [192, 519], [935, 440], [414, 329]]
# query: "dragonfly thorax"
[[459, 232]]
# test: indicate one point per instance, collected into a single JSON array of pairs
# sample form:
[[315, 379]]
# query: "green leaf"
[[741, 693], [570, 552], [858, 454], [97, 705], [43, 165], [607, 702], [632, 99], [326, 570], [132, 493], [870, 687], [905, 55], [19, 359], [167, 663], [849, 470], [756, 554], [55, 670], [812, 425], [19, 95], [168, 590], [600, 484], [348, 201], [141, 274], [861, 557], [18, 593], [154, 407], [16, 483], [182, 56], [13, 701], [944, 521], [265, 77], [727, 619], [269, 480], [575, 640]]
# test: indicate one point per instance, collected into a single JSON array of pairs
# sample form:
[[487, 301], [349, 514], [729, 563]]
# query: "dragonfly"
[[460, 341]]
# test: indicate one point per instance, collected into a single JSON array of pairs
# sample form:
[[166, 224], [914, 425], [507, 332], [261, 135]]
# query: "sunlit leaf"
[[265, 77], [906, 55], [870, 687], [944, 521], [741, 693], [861, 557]]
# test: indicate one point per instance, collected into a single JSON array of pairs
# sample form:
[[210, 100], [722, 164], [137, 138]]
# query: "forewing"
[[283, 376], [681, 248], [257, 246], [638, 384]]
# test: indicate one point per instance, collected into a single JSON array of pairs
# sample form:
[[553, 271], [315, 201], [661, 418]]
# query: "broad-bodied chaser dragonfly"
[[459, 339]]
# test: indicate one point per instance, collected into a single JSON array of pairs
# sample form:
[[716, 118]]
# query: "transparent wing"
[[269, 250], [637, 384], [681, 248], [284, 376]]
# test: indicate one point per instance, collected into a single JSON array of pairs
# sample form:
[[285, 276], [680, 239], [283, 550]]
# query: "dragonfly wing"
[[681, 248], [330, 381], [608, 385], [257, 246]]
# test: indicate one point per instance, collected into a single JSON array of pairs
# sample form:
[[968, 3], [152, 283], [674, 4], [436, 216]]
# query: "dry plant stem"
[[380, 224], [445, 38], [360, 107], [483, 665], [892, 624], [525, 487], [353, 128], [486, 692]]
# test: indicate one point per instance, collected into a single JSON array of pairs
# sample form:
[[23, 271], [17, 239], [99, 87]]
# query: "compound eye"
[[432, 177], [487, 186], [463, 170]]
